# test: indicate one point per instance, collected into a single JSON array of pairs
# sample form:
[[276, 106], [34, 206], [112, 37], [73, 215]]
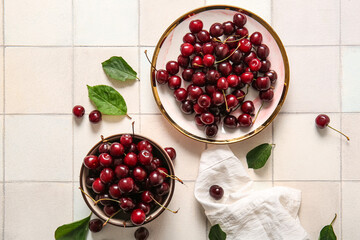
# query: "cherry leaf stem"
[[163, 205], [226, 105], [257, 114], [87, 195], [128, 116], [339, 132], [333, 219], [147, 57], [111, 217]]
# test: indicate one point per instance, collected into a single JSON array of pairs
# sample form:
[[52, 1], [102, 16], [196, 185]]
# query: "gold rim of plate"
[[285, 61]]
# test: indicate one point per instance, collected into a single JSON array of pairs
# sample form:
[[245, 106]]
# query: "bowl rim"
[[286, 68], [119, 222]]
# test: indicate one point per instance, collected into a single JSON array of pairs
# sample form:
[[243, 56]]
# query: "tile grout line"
[[73, 101], [3, 133], [139, 66], [341, 116]]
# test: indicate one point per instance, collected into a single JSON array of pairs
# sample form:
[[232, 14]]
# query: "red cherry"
[[131, 159], [186, 49], [121, 171], [208, 60], [138, 217], [196, 26], [145, 157], [98, 186], [105, 159], [117, 149], [78, 111], [91, 162], [126, 185]]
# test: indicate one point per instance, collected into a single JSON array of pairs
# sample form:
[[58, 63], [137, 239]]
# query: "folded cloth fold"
[[243, 213]]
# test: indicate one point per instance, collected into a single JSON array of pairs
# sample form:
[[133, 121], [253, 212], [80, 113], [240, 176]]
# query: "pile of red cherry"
[[218, 64], [127, 178]]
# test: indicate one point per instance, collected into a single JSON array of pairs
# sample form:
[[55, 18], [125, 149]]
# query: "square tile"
[[319, 27], [1, 23], [351, 208], [1, 209], [304, 152], [242, 148], [319, 203], [112, 22], [87, 134], [88, 71], [261, 8], [43, 212], [350, 149], [188, 151], [1, 147], [312, 96], [45, 77], [188, 223], [350, 88], [2, 80], [38, 147], [349, 16], [38, 22], [147, 101], [157, 15]]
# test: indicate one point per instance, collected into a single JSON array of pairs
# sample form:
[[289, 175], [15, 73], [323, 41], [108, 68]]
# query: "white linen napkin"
[[242, 213]]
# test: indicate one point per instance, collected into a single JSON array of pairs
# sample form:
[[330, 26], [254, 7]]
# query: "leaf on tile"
[[107, 100], [216, 233], [73, 231], [327, 232], [258, 156], [117, 68]]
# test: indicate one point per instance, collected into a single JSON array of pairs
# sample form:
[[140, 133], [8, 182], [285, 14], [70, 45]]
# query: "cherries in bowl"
[[128, 175]]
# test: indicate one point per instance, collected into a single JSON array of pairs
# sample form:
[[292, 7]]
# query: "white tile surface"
[[350, 88], [87, 134], [350, 149], [112, 22], [38, 22], [319, 203], [45, 77], [157, 15], [242, 148], [2, 79], [351, 208], [1, 209], [48, 206], [188, 151], [261, 8], [188, 223], [147, 101], [308, 80], [38, 148], [302, 151], [349, 17], [88, 71], [1, 147], [307, 22], [1, 23]]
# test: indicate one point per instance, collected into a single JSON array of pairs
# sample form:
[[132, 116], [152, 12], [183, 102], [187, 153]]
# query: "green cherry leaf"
[[117, 68], [107, 100], [327, 232], [73, 231], [258, 156], [216, 233]]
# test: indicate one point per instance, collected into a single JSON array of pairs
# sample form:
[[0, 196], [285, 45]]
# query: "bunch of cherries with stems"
[[218, 64], [126, 176]]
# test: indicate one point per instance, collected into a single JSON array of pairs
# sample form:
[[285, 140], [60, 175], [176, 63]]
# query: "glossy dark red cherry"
[[187, 74], [126, 140], [245, 120], [198, 79], [267, 95], [228, 27], [225, 68], [208, 48], [256, 38], [207, 118], [104, 148], [194, 92], [233, 80], [110, 210], [189, 38], [171, 152], [105, 160], [197, 62], [95, 116], [162, 76], [126, 204], [217, 98], [212, 76], [230, 121], [216, 30], [272, 75], [174, 82], [144, 145], [98, 186], [198, 109], [139, 174], [107, 175], [231, 101], [208, 60], [255, 65], [222, 51], [245, 45], [138, 217], [222, 84], [203, 36], [195, 26], [186, 49], [91, 162], [187, 107], [114, 191], [263, 83], [180, 94], [78, 111], [95, 225], [145, 157], [131, 159], [163, 189], [121, 171], [239, 94], [242, 32], [126, 185], [141, 233], [248, 107], [155, 178], [172, 67], [147, 196], [216, 192], [183, 61], [239, 20], [211, 130], [117, 149], [204, 101], [322, 121], [263, 51]]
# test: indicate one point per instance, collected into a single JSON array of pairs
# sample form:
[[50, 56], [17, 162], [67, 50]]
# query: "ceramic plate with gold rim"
[[168, 48]]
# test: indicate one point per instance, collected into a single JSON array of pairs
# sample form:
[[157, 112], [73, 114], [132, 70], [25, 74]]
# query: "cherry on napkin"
[[242, 213]]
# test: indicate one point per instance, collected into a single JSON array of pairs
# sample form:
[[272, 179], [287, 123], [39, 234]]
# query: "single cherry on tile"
[[323, 120], [171, 152], [216, 192], [95, 225], [141, 233], [78, 111], [95, 116]]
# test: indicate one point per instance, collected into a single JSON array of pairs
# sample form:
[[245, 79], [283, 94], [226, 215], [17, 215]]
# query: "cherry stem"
[[111, 217], [216, 40], [128, 116], [198, 65], [87, 195], [102, 139], [225, 41], [108, 199], [133, 128], [257, 114], [163, 205], [339, 132], [149, 60], [247, 91], [229, 55], [226, 105], [333, 219], [172, 176]]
